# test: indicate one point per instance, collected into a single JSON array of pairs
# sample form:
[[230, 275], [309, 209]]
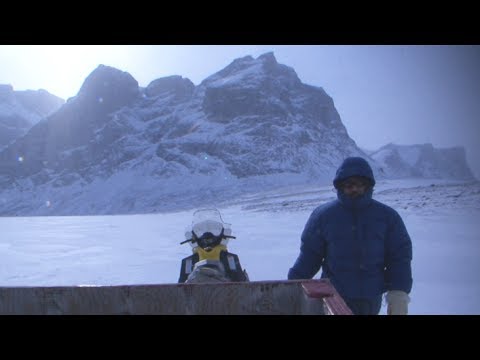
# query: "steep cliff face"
[[425, 161], [260, 119]]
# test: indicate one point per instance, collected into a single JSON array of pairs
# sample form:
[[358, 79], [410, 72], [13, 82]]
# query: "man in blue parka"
[[361, 245]]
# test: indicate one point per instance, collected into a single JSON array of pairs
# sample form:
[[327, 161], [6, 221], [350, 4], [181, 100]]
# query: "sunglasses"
[[350, 184]]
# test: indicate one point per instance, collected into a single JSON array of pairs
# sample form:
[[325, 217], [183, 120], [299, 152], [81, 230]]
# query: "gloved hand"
[[397, 301]]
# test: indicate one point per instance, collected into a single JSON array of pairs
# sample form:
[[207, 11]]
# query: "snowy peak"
[[61, 142], [250, 72], [181, 87], [258, 87], [294, 127], [425, 161], [268, 57], [107, 89], [20, 110], [6, 92], [281, 72], [235, 67], [39, 102]]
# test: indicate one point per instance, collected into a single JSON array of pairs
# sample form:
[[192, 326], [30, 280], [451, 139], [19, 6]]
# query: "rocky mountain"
[[20, 110], [117, 148], [423, 161]]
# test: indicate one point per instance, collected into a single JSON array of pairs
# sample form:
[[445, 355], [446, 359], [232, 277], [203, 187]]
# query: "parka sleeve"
[[398, 257], [310, 259]]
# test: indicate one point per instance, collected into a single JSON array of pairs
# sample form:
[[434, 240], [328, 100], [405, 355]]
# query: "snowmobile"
[[211, 261]]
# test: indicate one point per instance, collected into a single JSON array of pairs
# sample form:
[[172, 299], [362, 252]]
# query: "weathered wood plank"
[[333, 302], [235, 298]]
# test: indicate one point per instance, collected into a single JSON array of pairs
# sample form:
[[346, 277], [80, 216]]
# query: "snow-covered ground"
[[442, 219]]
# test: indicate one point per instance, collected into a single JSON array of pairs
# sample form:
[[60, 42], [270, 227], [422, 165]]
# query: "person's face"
[[354, 186]]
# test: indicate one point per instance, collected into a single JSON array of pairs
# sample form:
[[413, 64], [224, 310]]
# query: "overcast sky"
[[401, 94]]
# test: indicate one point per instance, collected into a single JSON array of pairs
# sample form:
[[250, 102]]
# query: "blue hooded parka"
[[361, 244]]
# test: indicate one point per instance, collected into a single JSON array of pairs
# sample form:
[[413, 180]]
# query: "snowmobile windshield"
[[208, 221], [207, 226], [207, 214]]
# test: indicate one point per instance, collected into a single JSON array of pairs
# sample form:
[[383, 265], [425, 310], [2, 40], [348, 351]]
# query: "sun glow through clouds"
[[63, 67]]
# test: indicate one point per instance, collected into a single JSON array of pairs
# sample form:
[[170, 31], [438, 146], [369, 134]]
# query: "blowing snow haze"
[[119, 148]]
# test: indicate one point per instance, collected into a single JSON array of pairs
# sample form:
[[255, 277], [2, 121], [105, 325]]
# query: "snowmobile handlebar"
[[193, 240]]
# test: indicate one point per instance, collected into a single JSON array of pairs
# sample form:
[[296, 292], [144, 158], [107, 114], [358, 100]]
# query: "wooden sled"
[[288, 297]]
